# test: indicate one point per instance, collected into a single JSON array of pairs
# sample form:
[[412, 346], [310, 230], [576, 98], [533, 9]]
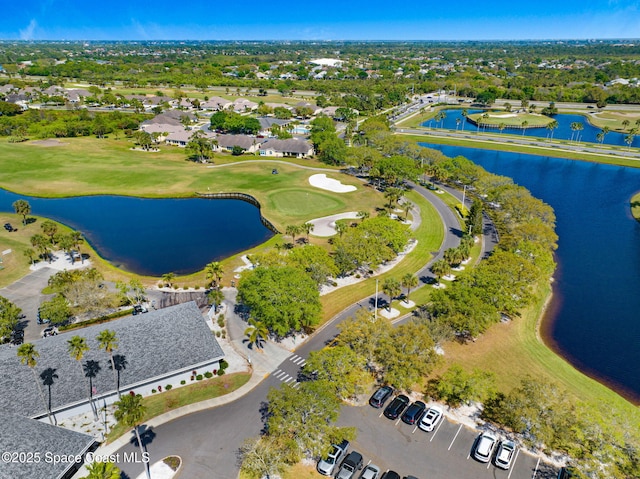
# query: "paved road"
[[209, 440]]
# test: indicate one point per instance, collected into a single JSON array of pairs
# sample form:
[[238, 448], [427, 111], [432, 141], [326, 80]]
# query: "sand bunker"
[[321, 181], [326, 226]]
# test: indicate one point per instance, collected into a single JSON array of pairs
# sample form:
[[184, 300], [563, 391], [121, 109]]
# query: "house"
[[327, 62], [178, 138], [314, 108], [163, 128], [215, 103], [242, 104], [267, 122], [291, 148], [154, 349], [77, 95], [248, 143]]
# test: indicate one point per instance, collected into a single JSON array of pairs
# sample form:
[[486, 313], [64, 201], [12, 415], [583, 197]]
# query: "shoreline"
[[544, 326]]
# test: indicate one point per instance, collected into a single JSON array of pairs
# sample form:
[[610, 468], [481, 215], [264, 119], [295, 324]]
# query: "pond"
[[154, 236], [594, 320], [563, 132]]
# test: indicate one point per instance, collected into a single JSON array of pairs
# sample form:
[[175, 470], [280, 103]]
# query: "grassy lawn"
[[635, 206], [514, 350], [509, 119], [301, 203], [15, 264], [502, 144], [199, 391], [430, 235]]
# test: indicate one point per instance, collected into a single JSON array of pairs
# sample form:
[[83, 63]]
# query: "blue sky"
[[322, 20]]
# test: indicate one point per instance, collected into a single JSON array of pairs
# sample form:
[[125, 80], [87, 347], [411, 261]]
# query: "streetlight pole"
[[375, 309], [464, 192]]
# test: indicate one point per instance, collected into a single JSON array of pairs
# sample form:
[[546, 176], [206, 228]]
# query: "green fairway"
[[614, 120], [299, 203]]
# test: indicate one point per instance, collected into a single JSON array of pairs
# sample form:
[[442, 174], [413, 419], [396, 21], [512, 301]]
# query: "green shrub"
[[99, 320], [208, 375], [153, 391], [217, 334], [199, 377], [168, 387], [221, 321], [223, 364], [220, 372], [183, 382]]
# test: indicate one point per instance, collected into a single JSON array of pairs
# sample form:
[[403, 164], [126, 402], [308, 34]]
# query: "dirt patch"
[[47, 143]]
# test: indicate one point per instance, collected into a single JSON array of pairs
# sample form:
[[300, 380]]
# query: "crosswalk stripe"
[[288, 380], [285, 378], [296, 384], [280, 374]]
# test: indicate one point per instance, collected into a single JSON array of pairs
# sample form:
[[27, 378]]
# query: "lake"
[[594, 320], [563, 132], [154, 236]]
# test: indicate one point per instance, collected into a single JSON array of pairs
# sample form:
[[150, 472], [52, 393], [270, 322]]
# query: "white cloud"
[[27, 33]]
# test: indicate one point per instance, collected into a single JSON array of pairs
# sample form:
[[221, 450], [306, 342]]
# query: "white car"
[[505, 454], [431, 418], [484, 447], [370, 472], [328, 464]]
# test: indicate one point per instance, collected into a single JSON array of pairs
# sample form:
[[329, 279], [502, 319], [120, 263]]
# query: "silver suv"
[[328, 464]]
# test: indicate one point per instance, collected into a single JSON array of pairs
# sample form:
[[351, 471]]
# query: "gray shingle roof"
[[287, 146], [243, 141], [153, 344], [20, 434]]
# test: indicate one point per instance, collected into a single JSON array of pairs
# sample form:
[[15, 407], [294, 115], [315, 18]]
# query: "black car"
[[8, 227], [395, 408], [390, 475], [17, 337], [414, 413], [381, 396]]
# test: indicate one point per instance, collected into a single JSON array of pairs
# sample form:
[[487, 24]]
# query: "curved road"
[[209, 440]]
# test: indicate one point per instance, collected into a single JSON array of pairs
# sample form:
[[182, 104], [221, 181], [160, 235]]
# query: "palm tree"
[[256, 333], [393, 195], [29, 355], [628, 139], [485, 117], [108, 341], [215, 297], [307, 228], [501, 127], [363, 215], [600, 137], [579, 128], [464, 115], [103, 470], [525, 123], [41, 243], [168, 278], [214, 272], [391, 287], [458, 121], [409, 281], [130, 411], [574, 128], [77, 346], [292, 230], [440, 268], [340, 228], [22, 207], [552, 126], [625, 125]]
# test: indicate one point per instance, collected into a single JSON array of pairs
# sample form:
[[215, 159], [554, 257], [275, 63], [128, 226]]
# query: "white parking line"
[[398, 421], [489, 464], [436, 431], [454, 438], [535, 471], [414, 430], [381, 413], [513, 464]]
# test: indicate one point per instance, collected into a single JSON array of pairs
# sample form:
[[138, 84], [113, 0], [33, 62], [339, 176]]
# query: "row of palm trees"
[[296, 230], [392, 287], [130, 410], [77, 347], [452, 257]]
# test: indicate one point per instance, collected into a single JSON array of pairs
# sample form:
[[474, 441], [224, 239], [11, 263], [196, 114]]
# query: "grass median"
[[160, 403]]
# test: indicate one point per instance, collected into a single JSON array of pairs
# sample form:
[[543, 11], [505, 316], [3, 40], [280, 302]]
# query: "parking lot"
[[444, 453]]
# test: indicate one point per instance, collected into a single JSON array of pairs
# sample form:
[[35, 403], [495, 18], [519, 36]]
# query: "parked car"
[[352, 463], [328, 464], [17, 337], [381, 396], [431, 418], [8, 227], [484, 447], [139, 309], [370, 472], [396, 407], [390, 475], [505, 454], [414, 413], [49, 331]]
